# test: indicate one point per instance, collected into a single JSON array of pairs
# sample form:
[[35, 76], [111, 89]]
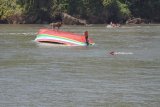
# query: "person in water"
[[86, 37], [54, 25], [113, 25]]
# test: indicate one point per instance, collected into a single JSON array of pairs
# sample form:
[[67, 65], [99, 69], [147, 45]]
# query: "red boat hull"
[[62, 37]]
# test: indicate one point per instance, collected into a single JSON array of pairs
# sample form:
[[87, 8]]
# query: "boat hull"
[[61, 37]]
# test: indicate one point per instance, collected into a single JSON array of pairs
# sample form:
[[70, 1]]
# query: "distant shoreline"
[[82, 25]]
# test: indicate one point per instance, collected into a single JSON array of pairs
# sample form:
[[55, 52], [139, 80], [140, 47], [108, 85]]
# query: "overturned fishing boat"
[[63, 38]]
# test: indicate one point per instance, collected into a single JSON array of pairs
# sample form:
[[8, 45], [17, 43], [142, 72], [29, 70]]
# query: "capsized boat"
[[63, 38]]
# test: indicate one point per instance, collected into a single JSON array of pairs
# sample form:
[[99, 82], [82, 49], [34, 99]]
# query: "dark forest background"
[[93, 11]]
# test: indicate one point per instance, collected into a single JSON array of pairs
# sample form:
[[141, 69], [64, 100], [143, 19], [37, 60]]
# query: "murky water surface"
[[33, 75]]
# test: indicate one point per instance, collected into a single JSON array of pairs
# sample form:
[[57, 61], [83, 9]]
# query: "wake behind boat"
[[63, 38]]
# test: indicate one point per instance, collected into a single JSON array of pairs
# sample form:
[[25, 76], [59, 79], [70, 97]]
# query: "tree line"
[[93, 11]]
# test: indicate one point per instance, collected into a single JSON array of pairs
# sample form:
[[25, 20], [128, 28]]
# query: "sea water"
[[33, 75]]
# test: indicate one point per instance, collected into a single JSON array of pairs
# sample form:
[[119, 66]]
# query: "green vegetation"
[[94, 11]]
